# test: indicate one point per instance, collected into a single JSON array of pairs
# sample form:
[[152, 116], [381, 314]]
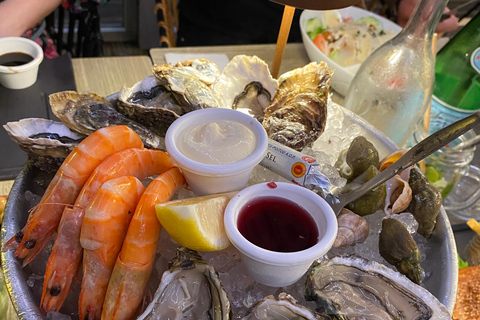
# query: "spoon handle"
[[418, 152]]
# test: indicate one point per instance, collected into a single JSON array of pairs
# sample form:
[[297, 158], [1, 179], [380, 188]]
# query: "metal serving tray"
[[442, 254]]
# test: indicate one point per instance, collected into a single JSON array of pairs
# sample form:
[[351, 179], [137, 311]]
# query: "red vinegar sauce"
[[277, 224]]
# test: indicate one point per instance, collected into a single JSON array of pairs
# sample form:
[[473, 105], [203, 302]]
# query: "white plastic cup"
[[278, 269], [20, 77], [204, 179]]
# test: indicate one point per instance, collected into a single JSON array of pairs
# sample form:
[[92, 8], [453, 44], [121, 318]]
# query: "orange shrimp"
[[104, 227], [67, 250], [135, 261], [65, 186]]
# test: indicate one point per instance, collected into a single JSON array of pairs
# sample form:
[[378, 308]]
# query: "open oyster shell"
[[355, 288], [284, 308], [88, 112], [190, 289], [46, 142], [190, 82], [246, 85]]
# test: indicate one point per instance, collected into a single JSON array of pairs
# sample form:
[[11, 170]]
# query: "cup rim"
[[279, 258], [228, 169], [30, 65]]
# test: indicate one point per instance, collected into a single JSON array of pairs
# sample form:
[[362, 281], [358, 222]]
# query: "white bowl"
[[20, 77], [204, 179], [278, 269], [342, 76]]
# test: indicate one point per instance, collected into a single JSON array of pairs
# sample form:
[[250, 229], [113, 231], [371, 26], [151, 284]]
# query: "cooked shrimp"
[[135, 261], [65, 186], [104, 227], [67, 250]]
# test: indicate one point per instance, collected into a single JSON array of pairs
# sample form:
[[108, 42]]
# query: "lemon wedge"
[[196, 223]]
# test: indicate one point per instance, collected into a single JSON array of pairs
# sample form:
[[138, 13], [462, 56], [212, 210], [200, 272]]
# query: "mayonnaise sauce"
[[217, 142]]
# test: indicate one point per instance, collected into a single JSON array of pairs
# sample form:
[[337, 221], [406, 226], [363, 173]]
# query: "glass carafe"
[[393, 87]]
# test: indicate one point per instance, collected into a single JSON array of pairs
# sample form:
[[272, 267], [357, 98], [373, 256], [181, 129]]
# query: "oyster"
[[246, 85], [360, 155], [284, 308], [352, 229], [425, 204], [189, 82], [355, 288], [155, 108], [88, 112], [298, 113], [399, 195], [397, 247], [46, 142], [190, 289]]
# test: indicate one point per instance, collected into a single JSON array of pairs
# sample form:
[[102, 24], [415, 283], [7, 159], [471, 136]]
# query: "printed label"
[[298, 170], [443, 114]]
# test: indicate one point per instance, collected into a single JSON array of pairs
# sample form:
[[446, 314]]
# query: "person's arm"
[[17, 16], [405, 8]]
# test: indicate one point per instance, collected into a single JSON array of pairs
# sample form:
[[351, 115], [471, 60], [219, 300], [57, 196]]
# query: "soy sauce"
[[14, 59], [277, 224]]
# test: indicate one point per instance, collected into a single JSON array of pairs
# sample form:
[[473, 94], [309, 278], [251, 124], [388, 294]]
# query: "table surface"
[[106, 75]]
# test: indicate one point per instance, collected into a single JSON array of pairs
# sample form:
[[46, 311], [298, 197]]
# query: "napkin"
[[220, 59]]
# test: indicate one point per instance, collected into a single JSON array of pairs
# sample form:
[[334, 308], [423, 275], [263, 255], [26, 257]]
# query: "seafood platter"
[[96, 225]]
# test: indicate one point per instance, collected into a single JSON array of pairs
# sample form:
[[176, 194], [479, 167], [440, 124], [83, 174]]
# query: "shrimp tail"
[[125, 289]]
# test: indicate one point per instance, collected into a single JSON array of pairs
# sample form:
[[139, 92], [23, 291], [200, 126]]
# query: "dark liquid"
[[277, 224], [14, 59]]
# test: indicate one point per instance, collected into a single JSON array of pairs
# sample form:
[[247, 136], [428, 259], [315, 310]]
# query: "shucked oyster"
[[246, 85], [88, 112], [298, 114], [189, 81], [284, 308], [355, 288], [190, 289], [46, 142], [156, 108]]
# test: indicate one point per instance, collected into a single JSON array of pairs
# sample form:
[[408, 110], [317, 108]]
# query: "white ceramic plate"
[[343, 75]]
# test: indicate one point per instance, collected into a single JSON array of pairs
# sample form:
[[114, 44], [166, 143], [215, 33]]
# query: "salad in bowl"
[[344, 39]]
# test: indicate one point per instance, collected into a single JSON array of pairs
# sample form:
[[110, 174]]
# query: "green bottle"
[[456, 91]]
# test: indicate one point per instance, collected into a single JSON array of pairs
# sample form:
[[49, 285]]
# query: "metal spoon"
[[420, 151]]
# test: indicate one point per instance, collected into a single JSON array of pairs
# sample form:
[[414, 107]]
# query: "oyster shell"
[[189, 81], [397, 247], [87, 112], [298, 113], [352, 229], [190, 289], [46, 142], [246, 85], [284, 308], [355, 288], [156, 108]]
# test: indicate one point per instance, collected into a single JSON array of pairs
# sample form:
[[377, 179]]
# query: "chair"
[[167, 17]]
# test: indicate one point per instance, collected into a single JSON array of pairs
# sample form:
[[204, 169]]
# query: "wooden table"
[[294, 56], [106, 75]]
